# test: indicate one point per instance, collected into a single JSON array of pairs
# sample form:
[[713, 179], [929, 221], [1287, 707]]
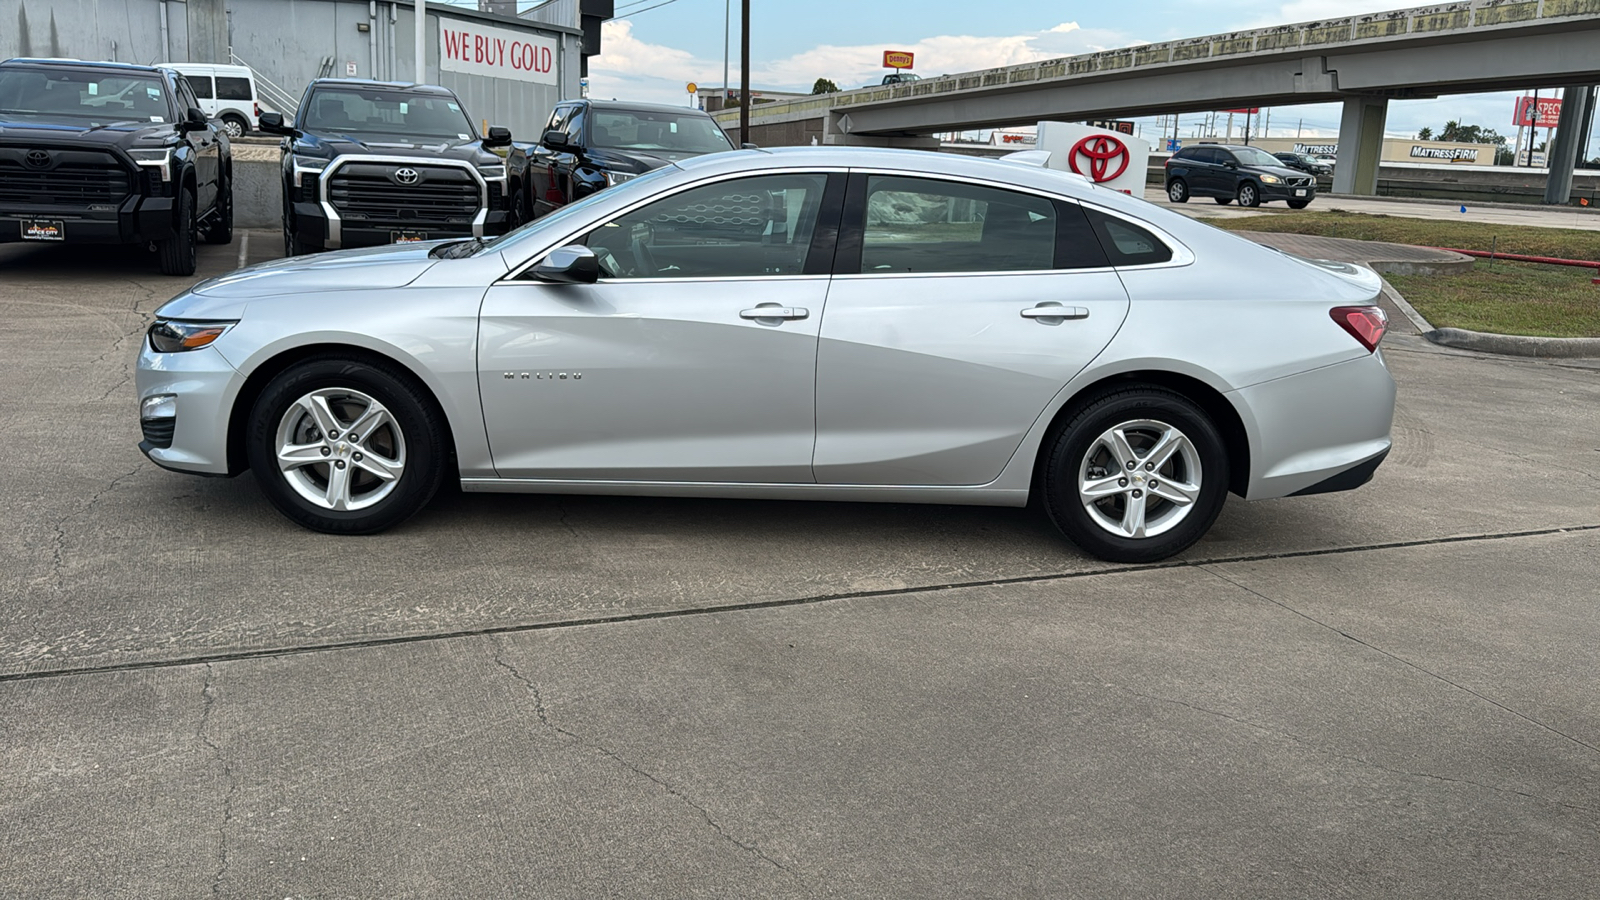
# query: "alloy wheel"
[[340, 449], [1139, 478]]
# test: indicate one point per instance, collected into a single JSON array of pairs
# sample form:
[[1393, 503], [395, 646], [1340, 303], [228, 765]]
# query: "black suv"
[[106, 153], [1228, 173], [376, 162], [1304, 162], [589, 145]]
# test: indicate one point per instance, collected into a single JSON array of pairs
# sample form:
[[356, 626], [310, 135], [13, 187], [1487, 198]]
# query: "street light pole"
[[744, 71], [727, 16], [421, 44]]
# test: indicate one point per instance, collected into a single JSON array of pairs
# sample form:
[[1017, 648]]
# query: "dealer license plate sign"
[[43, 230], [1300, 193], [407, 237]]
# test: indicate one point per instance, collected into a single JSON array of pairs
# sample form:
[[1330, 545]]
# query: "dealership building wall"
[[290, 42]]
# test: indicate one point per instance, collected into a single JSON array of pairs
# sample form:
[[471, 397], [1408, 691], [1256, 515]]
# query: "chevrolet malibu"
[[811, 323]]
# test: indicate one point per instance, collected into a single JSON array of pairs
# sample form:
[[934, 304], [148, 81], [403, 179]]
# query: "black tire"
[[1074, 450], [1178, 190], [1223, 201], [177, 253], [519, 208], [220, 229], [1249, 194], [422, 443], [235, 125], [1299, 204]]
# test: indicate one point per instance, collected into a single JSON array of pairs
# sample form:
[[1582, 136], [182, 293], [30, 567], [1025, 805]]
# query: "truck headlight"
[[155, 159], [176, 336], [616, 178], [493, 171], [307, 164]]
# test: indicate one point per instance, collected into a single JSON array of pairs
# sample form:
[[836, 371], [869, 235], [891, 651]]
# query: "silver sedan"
[[814, 323]]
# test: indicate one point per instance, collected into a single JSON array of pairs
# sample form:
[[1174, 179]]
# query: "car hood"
[[125, 133], [366, 269], [639, 161], [331, 145]]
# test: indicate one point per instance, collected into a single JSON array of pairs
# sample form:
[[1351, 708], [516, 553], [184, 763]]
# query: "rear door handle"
[[1055, 311], [775, 312]]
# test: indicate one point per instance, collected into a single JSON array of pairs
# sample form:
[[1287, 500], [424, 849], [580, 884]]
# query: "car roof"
[[406, 86], [628, 105], [81, 64]]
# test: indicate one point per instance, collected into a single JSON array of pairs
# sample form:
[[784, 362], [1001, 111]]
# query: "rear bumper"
[[1312, 432], [135, 220]]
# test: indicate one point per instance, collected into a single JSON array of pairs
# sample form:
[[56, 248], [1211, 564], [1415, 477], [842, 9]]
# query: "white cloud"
[[1065, 28]]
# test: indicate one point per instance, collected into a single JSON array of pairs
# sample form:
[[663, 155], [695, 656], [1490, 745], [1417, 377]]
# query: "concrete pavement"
[[1379, 693]]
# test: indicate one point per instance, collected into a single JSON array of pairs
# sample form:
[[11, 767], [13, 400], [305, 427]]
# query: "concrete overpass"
[[1361, 61]]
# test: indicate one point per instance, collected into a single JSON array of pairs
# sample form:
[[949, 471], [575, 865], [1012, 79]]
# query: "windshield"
[[83, 94], [1250, 156], [627, 129], [554, 220], [390, 113]]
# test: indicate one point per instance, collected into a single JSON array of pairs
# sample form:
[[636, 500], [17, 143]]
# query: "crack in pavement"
[[543, 716], [757, 605], [1309, 745], [1402, 660], [209, 701], [59, 550]]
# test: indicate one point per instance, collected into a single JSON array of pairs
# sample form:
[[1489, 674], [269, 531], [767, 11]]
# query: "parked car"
[[589, 145], [376, 162], [108, 153], [900, 78], [1228, 173], [227, 94], [1304, 162], [991, 331]]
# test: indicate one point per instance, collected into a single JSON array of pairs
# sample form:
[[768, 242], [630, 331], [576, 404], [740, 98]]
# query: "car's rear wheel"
[[177, 252], [345, 446], [1249, 195], [1137, 474], [1299, 204], [235, 125], [1178, 191]]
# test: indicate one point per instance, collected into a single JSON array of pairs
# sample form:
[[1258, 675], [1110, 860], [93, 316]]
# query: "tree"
[[1426, 134], [824, 86], [1469, 134]]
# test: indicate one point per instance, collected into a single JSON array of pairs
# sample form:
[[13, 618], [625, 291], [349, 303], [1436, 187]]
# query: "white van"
[[225, 92]]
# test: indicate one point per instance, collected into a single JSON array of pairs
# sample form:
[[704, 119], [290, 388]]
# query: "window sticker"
[[464, 137], [153, 93], [674, 127], [404, 107], [94, 88], [157, 119], [455, 108]]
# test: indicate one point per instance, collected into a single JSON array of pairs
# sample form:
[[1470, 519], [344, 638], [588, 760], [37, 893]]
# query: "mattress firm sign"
[[1453, 154], [475, 49]]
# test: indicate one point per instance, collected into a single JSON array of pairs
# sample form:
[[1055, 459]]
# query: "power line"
[[645, 10]]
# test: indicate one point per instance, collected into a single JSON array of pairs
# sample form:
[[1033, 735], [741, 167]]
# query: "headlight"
[[174, 336], [304, 164], [155, 159], [1271, 179], [616, 178], [493, 171]]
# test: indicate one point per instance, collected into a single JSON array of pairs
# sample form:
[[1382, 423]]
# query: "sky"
[[654, 48]]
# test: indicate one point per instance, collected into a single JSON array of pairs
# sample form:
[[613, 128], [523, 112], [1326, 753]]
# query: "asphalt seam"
[[1402, 660], [543, 716], [758, 605]]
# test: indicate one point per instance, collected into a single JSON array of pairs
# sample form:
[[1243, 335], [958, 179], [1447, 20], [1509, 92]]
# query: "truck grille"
[[65, 184], [368, 192]]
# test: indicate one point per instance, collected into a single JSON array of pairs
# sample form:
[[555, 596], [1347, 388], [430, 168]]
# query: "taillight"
[[258, 109], [1365, 323]]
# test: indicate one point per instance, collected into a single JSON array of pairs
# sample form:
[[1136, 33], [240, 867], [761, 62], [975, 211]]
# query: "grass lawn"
[[1513, 298], [1567, 243], [1510, 298]]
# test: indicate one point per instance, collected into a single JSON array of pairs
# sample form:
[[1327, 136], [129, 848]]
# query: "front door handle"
[[775, 312], [1055, 311]]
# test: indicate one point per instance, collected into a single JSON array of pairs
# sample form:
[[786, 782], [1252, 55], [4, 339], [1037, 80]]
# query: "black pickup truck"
[[377, 162], [589, 145], [106, 153]]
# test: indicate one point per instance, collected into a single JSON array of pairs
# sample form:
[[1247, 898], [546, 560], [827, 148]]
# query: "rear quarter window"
[[1125, 243]]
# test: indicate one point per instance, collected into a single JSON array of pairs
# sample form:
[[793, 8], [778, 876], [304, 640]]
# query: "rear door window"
[[924, 225]]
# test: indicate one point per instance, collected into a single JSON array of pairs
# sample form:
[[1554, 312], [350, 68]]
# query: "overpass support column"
[[1360, 145], [1569, 133]]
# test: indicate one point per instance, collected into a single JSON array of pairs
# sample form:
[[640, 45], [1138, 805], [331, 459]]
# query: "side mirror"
[[572, 264], [194, 119], [498, 136], [555, 140], [272, 123]]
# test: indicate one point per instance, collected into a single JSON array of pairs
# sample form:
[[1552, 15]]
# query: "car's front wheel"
[[177, 253], [1249, 195], [346, 446], [1178, 191], [1138, 474]]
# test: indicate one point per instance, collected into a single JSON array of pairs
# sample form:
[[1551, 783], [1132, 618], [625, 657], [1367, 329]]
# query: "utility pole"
[[727, 15], [421, 45], [744, 72]]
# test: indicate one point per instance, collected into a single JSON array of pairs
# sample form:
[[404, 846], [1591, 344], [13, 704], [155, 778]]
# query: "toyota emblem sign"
[[1107, 158], [406, 176]]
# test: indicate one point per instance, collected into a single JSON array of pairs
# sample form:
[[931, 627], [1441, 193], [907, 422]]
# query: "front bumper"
[[205, 387], [1288, 191], [135, 220], [1310, 428], [317, 226]]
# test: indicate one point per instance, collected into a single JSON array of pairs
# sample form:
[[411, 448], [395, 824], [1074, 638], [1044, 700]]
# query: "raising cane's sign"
[[475, 49]]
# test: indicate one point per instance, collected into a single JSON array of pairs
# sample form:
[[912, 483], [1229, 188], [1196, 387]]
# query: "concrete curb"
[[1422, 325], [1460, 265], [1515, 344], [1469, 204]]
